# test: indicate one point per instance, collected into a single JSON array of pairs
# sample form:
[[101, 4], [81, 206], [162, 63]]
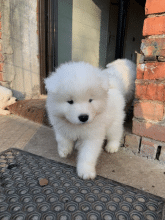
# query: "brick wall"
[[1, 54], [149, 109]]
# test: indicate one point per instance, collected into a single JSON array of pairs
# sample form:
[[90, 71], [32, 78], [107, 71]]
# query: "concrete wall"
[[20, 47]]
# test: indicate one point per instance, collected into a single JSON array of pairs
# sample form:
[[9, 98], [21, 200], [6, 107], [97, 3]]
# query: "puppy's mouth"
[[79, 123]]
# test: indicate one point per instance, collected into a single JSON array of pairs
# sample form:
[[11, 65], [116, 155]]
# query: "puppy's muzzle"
[[83, 118]]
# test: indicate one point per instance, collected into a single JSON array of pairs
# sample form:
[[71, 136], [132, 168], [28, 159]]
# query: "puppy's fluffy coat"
[[86, 105], [6, 99]]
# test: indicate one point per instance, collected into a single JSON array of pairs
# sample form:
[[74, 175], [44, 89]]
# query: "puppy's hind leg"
[[65, 145], [114, 135]]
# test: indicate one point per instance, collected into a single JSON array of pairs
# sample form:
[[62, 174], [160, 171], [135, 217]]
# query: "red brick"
[[132, 142], [148, 148], [149, 110], [1, 67], [141, 90], [160, 92], [154, 26], [1, 57], [149, 50], [150, 91], [0, 34], [140, 71], [155, 131], [0, 24], [0, 15], [1, 76], [154, 6], [154, 70], [153, 46]]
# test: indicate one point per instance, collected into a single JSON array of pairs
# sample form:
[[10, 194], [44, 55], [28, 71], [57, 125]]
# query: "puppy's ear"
[[51, 83]]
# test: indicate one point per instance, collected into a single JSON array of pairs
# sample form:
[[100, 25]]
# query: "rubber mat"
[[33, 188]]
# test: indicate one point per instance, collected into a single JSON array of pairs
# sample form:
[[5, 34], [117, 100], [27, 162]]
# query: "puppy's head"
[[77, 91], [6, 98]]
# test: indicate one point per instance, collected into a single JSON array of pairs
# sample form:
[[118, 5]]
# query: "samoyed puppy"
[[85, 105], [6, 99]]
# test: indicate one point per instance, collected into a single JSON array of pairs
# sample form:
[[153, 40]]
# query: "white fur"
[[6, 99], [122, 73], [80, 82]]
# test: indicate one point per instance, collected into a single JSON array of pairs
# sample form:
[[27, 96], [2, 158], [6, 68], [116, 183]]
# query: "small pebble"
[[43, 182]]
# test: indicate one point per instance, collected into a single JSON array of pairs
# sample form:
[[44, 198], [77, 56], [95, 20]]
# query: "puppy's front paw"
[[112, 146], [86, 171], [64, 151], [4, 112]]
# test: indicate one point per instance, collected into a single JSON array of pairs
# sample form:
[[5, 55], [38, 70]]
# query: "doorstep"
[[33, 109]]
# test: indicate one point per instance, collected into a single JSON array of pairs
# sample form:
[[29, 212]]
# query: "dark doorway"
[[118, 37], [126, 19], [48, 16]]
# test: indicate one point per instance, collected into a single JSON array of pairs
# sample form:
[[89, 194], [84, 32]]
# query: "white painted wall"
[[64, 31], [83, 30]]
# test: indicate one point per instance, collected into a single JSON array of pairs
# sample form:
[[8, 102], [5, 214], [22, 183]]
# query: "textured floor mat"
[[33, 187]]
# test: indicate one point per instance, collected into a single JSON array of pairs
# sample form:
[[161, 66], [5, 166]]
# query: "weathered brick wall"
[[149, 109]]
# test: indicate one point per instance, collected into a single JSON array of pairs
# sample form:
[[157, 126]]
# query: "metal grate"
[[66, 196]]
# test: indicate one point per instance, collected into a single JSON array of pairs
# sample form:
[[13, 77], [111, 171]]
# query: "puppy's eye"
[[70, 102], [90, 100]]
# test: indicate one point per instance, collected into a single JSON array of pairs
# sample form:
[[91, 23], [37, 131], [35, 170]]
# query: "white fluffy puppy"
[[122, 75], [86, 105], [6, 99]]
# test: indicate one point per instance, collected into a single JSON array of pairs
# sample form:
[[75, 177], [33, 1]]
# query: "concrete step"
[[33, 109], [123, 166]]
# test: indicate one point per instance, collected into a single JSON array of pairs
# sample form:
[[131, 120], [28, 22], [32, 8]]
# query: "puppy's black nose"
[[83, 118]]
